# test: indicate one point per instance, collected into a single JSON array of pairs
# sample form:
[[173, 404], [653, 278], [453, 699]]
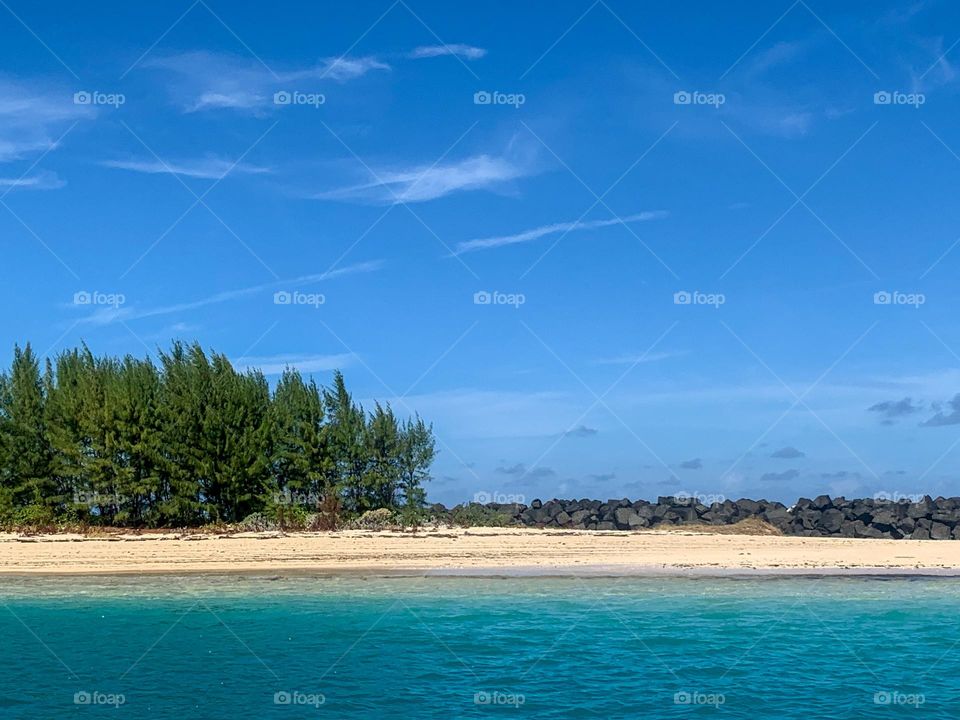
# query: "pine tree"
[[28, 478], [415, 456], [300, 457], [191, 441], [347, 432]]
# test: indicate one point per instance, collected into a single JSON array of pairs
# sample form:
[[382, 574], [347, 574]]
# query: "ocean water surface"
[[244, 647]]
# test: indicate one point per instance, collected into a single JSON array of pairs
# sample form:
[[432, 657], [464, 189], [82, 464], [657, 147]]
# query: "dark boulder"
[[921, 509], [939, 531], [822, 502], [626, 518], [831, 520]]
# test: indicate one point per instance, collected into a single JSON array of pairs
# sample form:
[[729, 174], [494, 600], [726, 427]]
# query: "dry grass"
[[749, 526]]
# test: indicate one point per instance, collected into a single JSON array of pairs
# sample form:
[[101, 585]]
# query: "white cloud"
[[209, 168], [467, 51], [429, 182], [212, 81], [340, 69], [107, 315], [32, 119], [39, 181], [276, 364], [543, 230], [638, 358], [238, 100]]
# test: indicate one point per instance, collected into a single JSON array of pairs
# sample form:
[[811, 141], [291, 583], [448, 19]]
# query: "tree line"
[[190, 440]]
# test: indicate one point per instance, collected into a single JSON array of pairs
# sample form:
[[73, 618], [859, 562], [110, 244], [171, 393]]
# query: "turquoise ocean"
[[236, 647]]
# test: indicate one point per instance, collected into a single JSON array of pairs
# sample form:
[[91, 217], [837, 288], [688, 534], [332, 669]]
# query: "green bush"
[[477, 515]]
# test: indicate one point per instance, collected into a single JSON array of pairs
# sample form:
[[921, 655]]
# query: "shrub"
[[256, 522], [379, 519], [477, 515]]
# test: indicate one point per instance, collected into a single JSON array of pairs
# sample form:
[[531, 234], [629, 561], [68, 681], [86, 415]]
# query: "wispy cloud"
[[639, 358], [787, 453], [520, 471], [276, 364], [694, 464], [891, 410], [946, 417], [107, 315], [466, 51], [581, 431], [780, 476], [544, 230], [38, 181], [207, 168], [32, 119], [210, 81], [429, 182]]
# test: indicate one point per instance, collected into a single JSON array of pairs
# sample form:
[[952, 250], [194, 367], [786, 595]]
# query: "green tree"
[[26, 477]]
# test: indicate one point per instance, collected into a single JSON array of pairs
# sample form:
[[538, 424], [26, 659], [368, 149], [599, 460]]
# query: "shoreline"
[[474, 552]]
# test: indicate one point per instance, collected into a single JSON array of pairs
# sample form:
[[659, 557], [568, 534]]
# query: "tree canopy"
[[190, 440]]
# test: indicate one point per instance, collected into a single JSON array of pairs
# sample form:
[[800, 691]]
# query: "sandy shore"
[[474, 551]]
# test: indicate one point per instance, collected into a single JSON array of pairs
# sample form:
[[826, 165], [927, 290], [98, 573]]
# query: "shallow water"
[[242, 647]]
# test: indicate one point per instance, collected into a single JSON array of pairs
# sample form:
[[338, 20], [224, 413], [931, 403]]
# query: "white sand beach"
[[466, 551]]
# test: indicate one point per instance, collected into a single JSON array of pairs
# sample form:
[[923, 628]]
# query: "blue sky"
[[613, 249]]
